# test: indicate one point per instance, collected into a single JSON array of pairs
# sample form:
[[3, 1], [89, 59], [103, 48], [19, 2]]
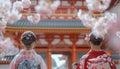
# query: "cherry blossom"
[[46, 8], [98, 5], [6, 46], [13, 16], [34, 19], [18, 6], [26, 3]]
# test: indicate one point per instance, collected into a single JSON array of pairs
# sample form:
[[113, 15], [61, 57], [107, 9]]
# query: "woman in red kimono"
[[28, 58], [96, 58], [76, 65]]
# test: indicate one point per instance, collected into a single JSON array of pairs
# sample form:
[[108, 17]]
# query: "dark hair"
[[94, 40], [28, 38], [76, 63]]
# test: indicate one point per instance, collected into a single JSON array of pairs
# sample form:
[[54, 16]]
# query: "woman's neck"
[[96, 47], [28, 48]]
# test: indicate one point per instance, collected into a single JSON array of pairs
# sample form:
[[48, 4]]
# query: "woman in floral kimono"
[[96, 58], [28, 58]]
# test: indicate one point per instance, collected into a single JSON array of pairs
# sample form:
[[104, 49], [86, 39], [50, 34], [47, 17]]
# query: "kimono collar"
[[25, 52]]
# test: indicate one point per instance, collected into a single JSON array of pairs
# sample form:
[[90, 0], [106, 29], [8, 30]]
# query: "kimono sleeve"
[[113, 66], [42, 63], [83, 61], [111, 62], [78, 66], [13, 63]]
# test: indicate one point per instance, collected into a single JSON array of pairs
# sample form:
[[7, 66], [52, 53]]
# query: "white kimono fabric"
[[27, 59]]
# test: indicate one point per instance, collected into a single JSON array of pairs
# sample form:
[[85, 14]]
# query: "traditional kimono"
[[27, 59], [78, 66], [96, 60]]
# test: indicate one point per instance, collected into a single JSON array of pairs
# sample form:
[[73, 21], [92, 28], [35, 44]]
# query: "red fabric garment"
[[95, 57], [78, 66], [27, 54]]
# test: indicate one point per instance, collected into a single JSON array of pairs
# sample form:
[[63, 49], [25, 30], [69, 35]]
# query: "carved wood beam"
[[48, 30]]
